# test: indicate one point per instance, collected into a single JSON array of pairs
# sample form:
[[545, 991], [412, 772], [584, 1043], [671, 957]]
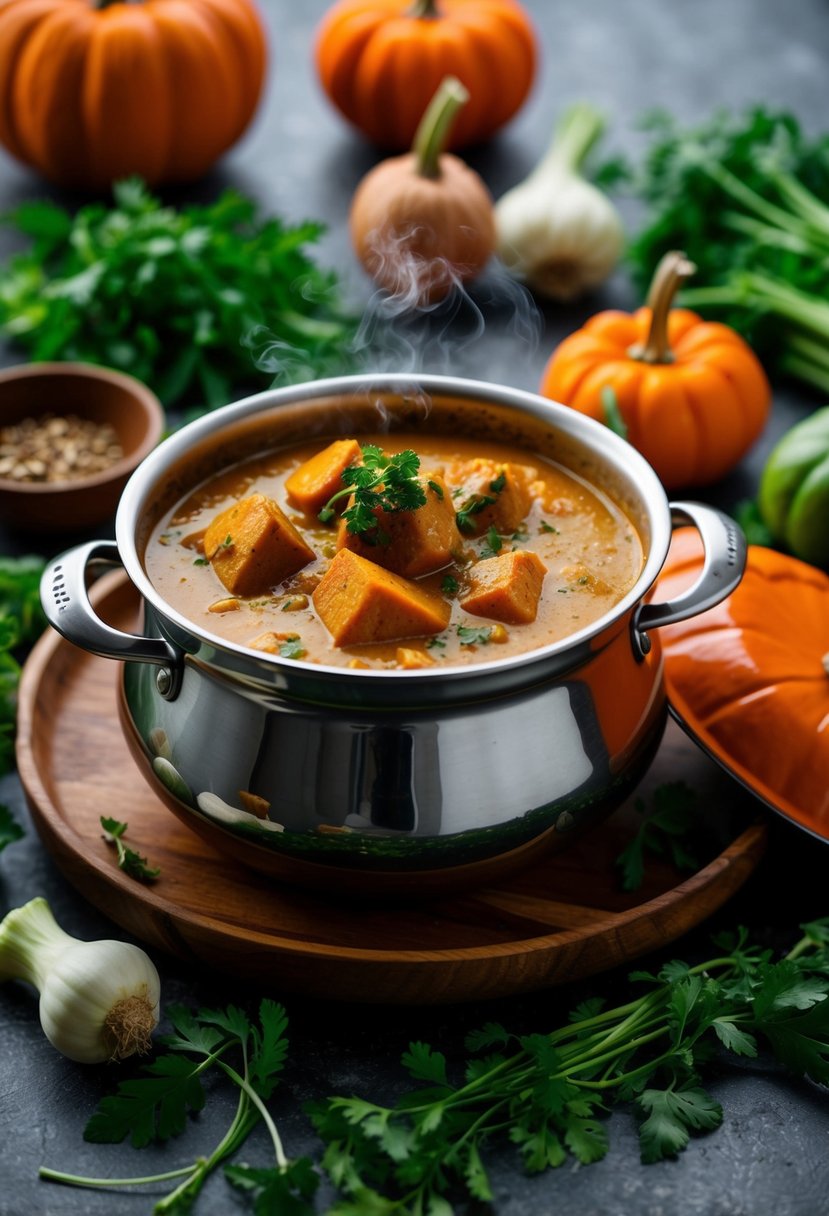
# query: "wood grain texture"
[[558, 920]]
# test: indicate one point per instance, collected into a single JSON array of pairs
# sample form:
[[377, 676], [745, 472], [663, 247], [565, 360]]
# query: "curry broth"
[[591, 551]]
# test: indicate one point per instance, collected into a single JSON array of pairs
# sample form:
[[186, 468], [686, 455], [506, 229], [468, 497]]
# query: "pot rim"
[[610, 448]]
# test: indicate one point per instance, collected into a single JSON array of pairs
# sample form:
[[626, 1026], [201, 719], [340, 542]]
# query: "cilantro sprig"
[[379, 483], [548, 1093], [156, 1105]]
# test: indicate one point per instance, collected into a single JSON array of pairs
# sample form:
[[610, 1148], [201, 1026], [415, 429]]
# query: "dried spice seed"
[[52, 448]]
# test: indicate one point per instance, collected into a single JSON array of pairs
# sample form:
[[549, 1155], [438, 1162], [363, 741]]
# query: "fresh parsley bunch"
[[173, 296], [547, 1093], [746, 197]]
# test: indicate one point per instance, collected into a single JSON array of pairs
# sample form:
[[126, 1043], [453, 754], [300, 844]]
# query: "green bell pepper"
[[794, 489]]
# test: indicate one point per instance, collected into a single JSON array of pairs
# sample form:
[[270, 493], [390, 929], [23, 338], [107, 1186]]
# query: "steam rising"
[[402, 331]]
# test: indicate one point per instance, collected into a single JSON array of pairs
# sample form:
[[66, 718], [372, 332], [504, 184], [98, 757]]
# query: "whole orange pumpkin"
[[381, 61], [691, 393], [750, 677], [92, 92]]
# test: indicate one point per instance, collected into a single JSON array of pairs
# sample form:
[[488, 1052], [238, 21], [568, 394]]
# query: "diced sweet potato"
[[253, 546], [410, 659], [419, 541], [359, 601], [311, 485], [506, 587], [507, 485], [579, 575]]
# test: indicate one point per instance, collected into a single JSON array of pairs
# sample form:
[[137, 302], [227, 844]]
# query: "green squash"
[[794, 490]]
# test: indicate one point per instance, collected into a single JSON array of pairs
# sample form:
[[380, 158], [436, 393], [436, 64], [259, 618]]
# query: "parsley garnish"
[[129, 860], [449, 585], [292, 648], [547, 1093], [664, 833], [498, 484], [545, 527], [435, 644], [473, 636], [472, 506], [155, 1107], [200, 561], [493, 545], [379, 483], [433, 485]]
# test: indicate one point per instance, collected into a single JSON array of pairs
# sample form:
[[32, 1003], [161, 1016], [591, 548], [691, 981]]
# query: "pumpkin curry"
[[397, 551]]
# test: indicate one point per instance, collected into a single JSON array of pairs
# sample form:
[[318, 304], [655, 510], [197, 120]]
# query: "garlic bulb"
[[556, 231], [98, 1000]]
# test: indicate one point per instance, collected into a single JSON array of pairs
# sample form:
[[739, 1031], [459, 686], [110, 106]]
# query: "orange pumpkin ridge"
[[691, 392]]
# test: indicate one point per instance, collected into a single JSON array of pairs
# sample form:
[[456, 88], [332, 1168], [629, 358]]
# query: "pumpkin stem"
[[433, 129], [668, 278], [425, 10]]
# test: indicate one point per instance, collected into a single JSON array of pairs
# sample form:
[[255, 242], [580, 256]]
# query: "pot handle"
[[68, 609], [724, 547]]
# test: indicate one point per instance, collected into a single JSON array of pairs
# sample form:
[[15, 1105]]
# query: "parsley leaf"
[[493, 545], [287, 1191], [473, 635], [474, 505], [292, 648], [449, 585], [663, 834], [672, 1115], [129, 860]]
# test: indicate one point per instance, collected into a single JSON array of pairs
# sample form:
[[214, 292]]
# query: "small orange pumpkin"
[[93, 92], [751, 676], [691, 393], [381, 61]]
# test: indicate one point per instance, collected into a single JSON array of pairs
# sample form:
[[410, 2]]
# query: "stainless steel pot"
[[384, 781]]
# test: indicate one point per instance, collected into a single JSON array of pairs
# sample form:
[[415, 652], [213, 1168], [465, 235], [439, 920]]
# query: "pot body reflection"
[[379, 781]]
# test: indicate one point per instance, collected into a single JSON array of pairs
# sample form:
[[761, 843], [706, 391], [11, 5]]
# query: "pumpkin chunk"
[[506, 588], [493, 496], [359, 601], [311, 485], [418, 541], [252, 546]]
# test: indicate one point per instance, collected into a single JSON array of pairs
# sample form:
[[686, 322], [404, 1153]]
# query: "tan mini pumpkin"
[[423, 222], [93, 91]]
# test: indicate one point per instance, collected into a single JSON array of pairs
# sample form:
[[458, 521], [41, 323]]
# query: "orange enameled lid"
[[749, 679]]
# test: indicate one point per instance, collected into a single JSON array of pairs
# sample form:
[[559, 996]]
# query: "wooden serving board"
[[560, 919]]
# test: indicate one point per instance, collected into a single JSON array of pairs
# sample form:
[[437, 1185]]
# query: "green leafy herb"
[[21, 620], [497, 485], [10, 829], [469, 507], [378, 483], [547, 1093], [745, 197], [292, 648], [186, 299], [449, 585], [129, 860], [493, 545], [435, 644], [612, 414], [471, 635], [155, 1107], [663, 834], [545, 527], [747, 515], [437, 489], [200, 561]]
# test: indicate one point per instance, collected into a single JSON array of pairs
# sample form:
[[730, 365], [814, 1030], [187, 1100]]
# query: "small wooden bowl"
[[96, 393]]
